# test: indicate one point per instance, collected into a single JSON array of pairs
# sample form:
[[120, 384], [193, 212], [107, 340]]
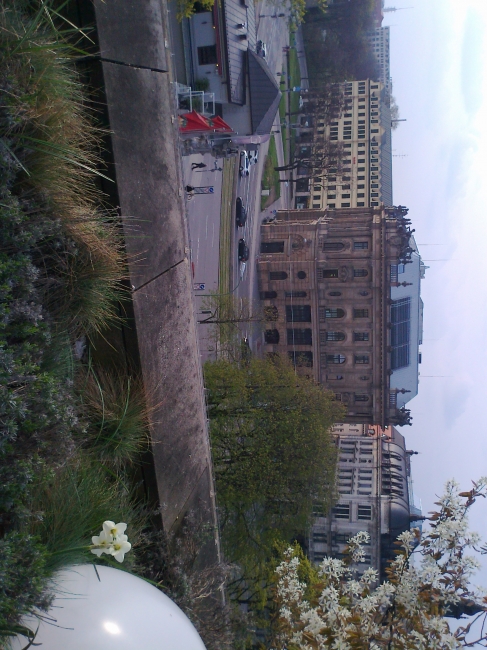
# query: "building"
[[331, 279], [374, 494], [363, 175], [379, 41], [220, 55]]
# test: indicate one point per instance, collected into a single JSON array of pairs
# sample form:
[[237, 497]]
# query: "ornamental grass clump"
[[117, 414], [49, 150]]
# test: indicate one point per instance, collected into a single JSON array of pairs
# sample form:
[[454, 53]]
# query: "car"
[[261, 49], [253, 157], [243, 251], [241, 212], [244, 164]]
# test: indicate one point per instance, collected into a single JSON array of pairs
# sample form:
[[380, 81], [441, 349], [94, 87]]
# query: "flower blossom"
[[111, 541]]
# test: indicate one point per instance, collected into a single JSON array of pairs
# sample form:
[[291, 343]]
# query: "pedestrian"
[[197, 165]]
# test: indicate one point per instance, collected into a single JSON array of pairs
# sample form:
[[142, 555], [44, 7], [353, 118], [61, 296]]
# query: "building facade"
[[379, 40], [374, 495], [363, 175], [328, 277]]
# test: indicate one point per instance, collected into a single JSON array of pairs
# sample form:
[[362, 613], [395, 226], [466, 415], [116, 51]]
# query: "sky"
[[438, 66]]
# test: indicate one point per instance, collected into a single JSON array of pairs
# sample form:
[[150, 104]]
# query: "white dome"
[[118, 611]]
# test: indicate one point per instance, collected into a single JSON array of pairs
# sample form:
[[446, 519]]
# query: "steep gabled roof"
[[264, 94]]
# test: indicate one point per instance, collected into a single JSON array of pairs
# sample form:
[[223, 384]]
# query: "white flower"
[[101, 543], [110, 528], [119, 547]]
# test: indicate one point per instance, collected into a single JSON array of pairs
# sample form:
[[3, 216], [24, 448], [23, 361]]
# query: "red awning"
[[220, 125], [193, 122]]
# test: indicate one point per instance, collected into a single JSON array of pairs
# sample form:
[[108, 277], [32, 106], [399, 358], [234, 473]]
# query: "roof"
[[239, 35], [264, 95]]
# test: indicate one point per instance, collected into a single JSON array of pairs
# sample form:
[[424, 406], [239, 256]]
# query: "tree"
[[226, 314], [346, 610], [315, 152], [273, 457]]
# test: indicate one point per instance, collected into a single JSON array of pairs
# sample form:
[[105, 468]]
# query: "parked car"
[[244, 164], [241, 212], [243, 250], [253, 157], [261, 49]]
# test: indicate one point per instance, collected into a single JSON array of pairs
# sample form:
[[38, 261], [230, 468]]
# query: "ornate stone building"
[[374, 489], [327, 276]]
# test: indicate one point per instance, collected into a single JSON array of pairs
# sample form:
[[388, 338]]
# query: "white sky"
[[438, 65]]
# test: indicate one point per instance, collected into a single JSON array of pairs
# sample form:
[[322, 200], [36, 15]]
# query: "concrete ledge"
[[172, 374], [140, 109], [131, 32]]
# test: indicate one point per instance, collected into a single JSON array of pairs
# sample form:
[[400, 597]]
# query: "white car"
[[253, 157], [244, 164]]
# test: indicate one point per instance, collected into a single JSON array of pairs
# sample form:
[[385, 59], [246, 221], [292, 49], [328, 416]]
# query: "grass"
[[270, 177], [226, 225], [118, 417]]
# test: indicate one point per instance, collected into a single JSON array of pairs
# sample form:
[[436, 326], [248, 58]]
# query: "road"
[[204, 210]]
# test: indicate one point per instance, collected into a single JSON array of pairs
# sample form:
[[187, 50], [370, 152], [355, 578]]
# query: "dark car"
[[243, 250], [241, 212]]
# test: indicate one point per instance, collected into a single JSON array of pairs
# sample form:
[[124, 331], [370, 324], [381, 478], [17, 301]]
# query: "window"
[[271, 337], [331, 312], [334, 293], [333, 246], [272, 247], [360, 273], [345, 196], [301, 359], [295, 294], [268, 295], [277, 275], [360, 313], [334, 336], [207, 55], [360, 195], [299, 337], [361, 398], [360, 245], [301, 275], [364, 513], [364, 377], [362, 359], [329, 273], [400, 332], [345, 205], [360, 336], [341, 511], [298, 313], [335, 358]]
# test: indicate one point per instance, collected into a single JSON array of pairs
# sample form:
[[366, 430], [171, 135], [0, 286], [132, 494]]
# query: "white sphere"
[[118, 611]]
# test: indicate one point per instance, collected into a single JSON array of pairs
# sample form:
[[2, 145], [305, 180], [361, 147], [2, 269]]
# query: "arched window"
[[334, 313], [363, 293], [301, 275], [364, 377], [335, 358], [335, 293], [360, 273], [333, 246], [335, 336], [268, 295], [277, 275], [361, 398], [271, 337]]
